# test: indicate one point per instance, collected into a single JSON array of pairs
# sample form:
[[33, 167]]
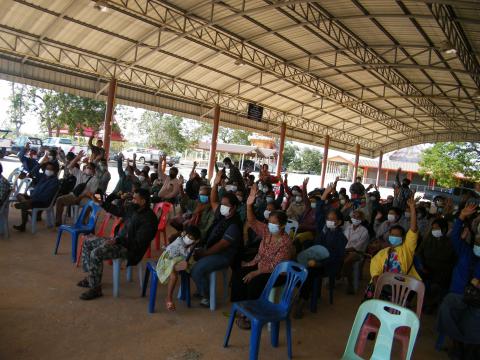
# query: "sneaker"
[[20, 228], [205, 302], [92, 294], [84, 283]]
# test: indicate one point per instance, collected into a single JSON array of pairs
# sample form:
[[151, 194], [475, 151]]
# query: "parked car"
[[457, 194], [19, 143], [5, 144], [155, 156], [143, 155], [66, 144]]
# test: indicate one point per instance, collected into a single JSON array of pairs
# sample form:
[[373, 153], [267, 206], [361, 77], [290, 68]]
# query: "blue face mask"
[[476, 250], [203, 198], [273, 228], [395, 240]]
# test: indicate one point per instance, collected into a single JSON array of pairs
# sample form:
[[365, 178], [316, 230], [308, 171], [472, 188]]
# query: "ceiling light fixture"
[[240, 62], [100, 5], [447, 48]]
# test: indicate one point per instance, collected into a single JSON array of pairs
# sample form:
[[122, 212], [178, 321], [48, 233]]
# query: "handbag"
[[79, 189]]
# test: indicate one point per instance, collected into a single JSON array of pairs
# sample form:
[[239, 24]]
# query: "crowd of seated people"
[[240, 222]]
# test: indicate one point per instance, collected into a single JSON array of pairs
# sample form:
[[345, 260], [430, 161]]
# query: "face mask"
[[231, 188], [141, 178], [476, 250], [373, 198], [187, 240], [224, 210], [295, 193], [266, 214], [269, 199], [88, 171], [356, 222], [391, 218], [330, 224], [34, 157], [273, 228], [437, 233], [298, 199], [203, 198], [395, 240], [407, 215], [313, 205], [342, 202], [49, 172]]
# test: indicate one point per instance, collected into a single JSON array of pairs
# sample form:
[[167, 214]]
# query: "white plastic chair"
[[50, 215], [21, 188]]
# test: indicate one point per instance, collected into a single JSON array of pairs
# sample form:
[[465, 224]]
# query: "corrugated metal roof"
[[373, 72]]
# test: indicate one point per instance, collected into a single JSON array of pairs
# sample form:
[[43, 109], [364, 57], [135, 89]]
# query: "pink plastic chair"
[[401, 286]]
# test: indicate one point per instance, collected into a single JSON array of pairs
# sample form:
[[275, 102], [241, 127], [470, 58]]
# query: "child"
[[177, 252]]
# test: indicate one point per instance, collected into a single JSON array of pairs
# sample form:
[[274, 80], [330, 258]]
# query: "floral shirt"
[[271, 252]]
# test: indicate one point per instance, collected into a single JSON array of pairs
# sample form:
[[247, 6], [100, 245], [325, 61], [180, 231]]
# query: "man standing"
[[357, 190], [97, 151], [402, 191], [131, 242], [86, 184], [28, 158]]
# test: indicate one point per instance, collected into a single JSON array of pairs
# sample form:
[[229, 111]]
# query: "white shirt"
[[82, 178], [357, 238]]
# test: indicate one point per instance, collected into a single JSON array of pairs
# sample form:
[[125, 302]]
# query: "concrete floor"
[[41, 316]]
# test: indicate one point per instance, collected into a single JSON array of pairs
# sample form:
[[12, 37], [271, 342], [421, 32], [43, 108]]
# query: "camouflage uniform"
[[95, 252]]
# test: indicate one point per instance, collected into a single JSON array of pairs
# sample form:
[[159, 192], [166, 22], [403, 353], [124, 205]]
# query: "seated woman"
[[249, 280], [307, 223], [383, 227], [435, 260], [144, 180], [357, 237], [296, 205], [324, 255], [459, 318], [398, 256], [176, 258]]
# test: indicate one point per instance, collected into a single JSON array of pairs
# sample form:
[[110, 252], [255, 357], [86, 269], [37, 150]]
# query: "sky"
[[32, 123]]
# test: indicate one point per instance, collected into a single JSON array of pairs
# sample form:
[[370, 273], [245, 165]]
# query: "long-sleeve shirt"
[[82, 178], [125, 183], [307, 221], [138, 232], [402, 195], [468, 265], [271, 252], [46, 187], [103, 178], [28, 163], [357, 237]]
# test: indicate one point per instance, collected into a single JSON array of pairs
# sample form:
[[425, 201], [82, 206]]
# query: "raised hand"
[[252, 195], [218, 177], [305, 181], [337, 179], [467, 211], [411, 203]]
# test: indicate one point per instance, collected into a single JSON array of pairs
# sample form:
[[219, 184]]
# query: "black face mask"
[[172, 176]]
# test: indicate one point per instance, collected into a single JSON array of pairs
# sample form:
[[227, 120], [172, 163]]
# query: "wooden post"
[[355, 165], [386, 178], [280, 150], [324, 161], [213, 146], [379, 169], [107, 127], [365, 174]]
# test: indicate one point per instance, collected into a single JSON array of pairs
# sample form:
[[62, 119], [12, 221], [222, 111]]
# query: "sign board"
[[255, 112]]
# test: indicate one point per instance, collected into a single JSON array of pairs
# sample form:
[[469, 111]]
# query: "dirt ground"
[[41, 316]]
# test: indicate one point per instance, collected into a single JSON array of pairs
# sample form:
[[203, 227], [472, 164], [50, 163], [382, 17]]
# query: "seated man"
[[28, 158], [126, 179], [171, 184], [86, 183], [130, 243], [222, 243], [42, 195]]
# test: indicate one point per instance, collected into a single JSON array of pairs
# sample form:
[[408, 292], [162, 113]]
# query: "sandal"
[[243, 323], [170, 306]]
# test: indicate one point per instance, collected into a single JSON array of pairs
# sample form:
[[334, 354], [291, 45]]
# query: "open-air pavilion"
[[362, 76]]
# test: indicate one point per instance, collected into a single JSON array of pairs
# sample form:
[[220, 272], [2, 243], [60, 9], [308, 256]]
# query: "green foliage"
[[308, 160], [444, 160], [225, 135], [164, 132], [289, 153], [19, 106]]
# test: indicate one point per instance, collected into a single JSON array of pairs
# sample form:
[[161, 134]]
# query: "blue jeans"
[[315, 252], [202, 269]]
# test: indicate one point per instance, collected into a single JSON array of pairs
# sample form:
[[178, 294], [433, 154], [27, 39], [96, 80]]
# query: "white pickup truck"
[[66, 144], [143, 155]]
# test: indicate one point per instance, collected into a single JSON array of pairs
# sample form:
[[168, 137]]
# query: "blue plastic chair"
[[263, 311], [116, 263], [79, 228], [389, 322]]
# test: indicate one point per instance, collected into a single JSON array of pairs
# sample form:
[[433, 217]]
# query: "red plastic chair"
[[100, 232], [165, 207], [157, 208], [401, 286]]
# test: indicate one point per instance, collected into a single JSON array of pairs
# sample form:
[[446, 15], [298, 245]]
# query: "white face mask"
[[231, 188], [391, 218], [49, 172], [313, 205], [187, 240], [437, 233], [356, 222], [266, 214], [141, 178], [298, 199], [330, 224], [224, 210]]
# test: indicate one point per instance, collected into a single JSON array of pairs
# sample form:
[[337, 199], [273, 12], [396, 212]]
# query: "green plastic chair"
[[389, 322]]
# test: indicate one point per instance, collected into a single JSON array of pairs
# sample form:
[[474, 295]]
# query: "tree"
[[309, 160], [164, 132], [225, 135], [444, 160], [19, 106], [289, 153]]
